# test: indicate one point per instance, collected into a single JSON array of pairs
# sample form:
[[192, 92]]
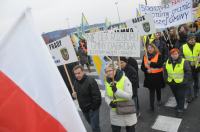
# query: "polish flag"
[[33, 96]]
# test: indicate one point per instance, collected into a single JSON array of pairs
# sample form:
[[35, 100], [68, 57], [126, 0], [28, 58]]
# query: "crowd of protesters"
[[171, 57]]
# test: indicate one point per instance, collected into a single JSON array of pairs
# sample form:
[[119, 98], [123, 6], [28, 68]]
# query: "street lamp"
[[116, 3], [145, 2]]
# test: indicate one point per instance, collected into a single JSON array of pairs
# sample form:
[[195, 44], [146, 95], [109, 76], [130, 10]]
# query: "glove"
[[113, 86], [113, 104], [148, 70], [74, 94]]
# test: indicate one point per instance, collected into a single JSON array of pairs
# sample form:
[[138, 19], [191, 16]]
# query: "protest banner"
[[114, 44], [196, 12], [170, 14], [62, 51], [144, 24], [196, 7]]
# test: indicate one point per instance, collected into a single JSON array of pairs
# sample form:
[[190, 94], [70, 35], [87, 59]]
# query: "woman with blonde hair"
[[153, 71], [118, 88]]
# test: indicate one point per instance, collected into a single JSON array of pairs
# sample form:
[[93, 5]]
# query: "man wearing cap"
[[177, 73], [191, 52], [132, 75]]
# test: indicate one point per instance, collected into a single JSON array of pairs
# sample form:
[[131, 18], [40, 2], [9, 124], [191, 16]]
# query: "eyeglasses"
[[108, 71]]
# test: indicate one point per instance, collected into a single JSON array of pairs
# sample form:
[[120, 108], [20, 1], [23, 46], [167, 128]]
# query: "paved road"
[[164, 117]]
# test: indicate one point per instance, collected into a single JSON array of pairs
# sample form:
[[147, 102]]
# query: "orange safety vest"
[[155, 60]]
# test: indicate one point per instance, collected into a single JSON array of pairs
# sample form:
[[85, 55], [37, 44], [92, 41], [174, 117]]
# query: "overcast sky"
[[50, 15]]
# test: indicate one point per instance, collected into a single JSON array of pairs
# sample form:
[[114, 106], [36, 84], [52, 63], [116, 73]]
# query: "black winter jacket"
[[131, 73], [88, 93], [155, 80]]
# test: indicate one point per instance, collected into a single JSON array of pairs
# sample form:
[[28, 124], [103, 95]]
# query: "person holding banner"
[[191, 52], [89, 97], [152, 67], [177, 73], [82, 53], [118, 88], [71, 74]]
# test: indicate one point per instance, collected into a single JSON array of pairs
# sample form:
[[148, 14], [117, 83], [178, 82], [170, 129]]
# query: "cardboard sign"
[[169, 14], [114, 44], [62, 51], [144, 24]]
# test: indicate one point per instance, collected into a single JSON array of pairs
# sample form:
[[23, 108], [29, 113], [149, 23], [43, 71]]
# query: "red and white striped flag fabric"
[[33, 96]]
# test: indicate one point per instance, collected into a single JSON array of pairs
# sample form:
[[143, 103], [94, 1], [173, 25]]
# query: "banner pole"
[[169, 39], [165, 39], [70, 82], [108, 58]]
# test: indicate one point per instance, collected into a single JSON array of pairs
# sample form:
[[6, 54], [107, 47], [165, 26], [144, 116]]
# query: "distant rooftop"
[[58, 34]]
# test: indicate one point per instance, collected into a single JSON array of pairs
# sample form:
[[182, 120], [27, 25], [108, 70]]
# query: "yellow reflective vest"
[[176, 73], [151, 39], [192, 56], [119, 85]]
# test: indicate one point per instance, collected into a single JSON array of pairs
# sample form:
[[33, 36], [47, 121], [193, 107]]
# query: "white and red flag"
[[33, 96]]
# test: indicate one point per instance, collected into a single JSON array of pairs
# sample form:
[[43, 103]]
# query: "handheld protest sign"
[[114, 44], [62, 51], [169, 14]]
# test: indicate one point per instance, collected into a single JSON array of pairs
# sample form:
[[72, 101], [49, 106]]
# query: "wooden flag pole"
[[70, 82]]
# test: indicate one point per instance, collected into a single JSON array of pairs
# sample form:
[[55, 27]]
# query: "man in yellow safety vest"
[[191, 52]]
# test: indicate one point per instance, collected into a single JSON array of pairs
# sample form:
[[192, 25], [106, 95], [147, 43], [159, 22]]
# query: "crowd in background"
[[171, 57]]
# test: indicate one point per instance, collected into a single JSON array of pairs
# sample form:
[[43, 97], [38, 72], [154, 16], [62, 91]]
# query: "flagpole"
[[70, 82]]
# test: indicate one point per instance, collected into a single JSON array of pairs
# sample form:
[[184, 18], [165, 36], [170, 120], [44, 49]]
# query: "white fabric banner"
[[62, 51], [114, 43], [26, 60], [144, 24], [169, 14]]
